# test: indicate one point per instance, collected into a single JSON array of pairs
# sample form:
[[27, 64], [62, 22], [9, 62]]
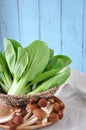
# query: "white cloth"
[[73, 94]]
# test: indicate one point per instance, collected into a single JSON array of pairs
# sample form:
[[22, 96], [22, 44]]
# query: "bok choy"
[[32, 69]]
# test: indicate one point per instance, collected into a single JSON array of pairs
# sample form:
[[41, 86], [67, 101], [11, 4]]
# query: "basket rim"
[[28, 127], [23, 99]]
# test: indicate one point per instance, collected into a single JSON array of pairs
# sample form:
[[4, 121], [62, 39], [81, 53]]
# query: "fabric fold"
[[73, 94]]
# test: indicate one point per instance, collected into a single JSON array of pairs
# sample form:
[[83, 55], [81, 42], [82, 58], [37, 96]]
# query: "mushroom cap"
[[32, 106], [53, 117], [39, 113]]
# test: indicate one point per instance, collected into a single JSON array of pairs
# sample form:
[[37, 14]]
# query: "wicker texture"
[[24, 99]]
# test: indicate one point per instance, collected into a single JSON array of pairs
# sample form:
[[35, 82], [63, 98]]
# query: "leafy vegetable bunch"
[[32, 69]]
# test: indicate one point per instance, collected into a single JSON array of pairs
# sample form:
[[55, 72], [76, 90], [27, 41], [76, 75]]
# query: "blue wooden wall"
[[60, 23]]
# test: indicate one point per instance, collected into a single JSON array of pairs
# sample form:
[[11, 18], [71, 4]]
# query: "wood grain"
[[72, 31], [84, 37], [60, 23], [29, 21], [50, 23], [8, 20]]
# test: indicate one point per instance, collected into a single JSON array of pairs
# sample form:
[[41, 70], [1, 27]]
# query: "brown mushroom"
[[42, 102], [18, 120], [32, 106], [56, 99], [51, 100], [39, 113], [62, 105], [53, 117], [60, 113], [33, 100], [56, 107], [12, 126]]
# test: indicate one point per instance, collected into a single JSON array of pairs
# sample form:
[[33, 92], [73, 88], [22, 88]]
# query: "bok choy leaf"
[[56, 80], [11, 47], [5, 75], [55, 64]]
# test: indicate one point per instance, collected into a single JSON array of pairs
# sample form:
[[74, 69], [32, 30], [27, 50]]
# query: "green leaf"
[[3, 64], [15, 44], [3, 87], [39, 57], [55, 64], [4, 83], [11, 48], [21, 63], [10, 55], [51, 53], [58, 62], [56, 80], [44, 76], [5, 75]]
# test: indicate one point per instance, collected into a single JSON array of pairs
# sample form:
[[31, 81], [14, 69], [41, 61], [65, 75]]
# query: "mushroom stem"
[[48, 109], [6, 118], [45, 120], [27, 115], [31, 121]]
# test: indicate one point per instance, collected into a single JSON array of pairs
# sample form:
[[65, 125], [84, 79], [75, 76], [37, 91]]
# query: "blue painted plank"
[[84, 36], [29, 21], [60, 23], [50, 23], [8, 20], [0, 38], [72, 31]]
